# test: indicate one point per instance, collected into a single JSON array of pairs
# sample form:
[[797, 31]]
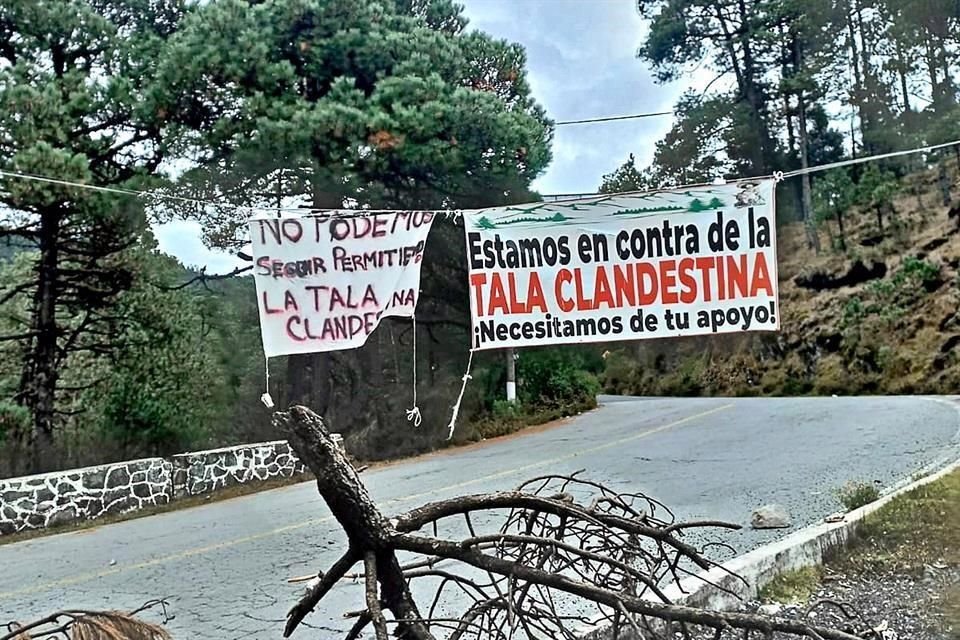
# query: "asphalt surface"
[[225, 565]]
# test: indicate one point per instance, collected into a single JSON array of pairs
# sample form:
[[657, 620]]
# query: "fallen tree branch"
[[93, 625], [550, 561]]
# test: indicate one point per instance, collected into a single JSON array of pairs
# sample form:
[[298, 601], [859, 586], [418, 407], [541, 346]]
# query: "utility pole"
[[511, 377]]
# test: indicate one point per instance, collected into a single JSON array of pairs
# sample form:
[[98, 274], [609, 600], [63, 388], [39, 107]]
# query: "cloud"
[[183, 239], [582, 63]]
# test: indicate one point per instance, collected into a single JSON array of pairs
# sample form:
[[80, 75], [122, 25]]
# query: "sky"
[[581, 61]]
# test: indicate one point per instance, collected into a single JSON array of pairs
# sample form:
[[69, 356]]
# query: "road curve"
[[225, 565]]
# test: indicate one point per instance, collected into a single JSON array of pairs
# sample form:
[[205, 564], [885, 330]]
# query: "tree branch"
[[203, 278], [373, 599], [318, 591]]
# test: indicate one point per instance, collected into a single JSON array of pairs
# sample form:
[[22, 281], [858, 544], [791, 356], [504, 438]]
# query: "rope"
[[265, 398], [456, 407], [451, 213], [881, 156], [413, 415], [613, 118]]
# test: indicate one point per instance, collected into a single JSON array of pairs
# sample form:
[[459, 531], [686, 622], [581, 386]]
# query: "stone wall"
[[35, 502], [206, 471], [50, 499]]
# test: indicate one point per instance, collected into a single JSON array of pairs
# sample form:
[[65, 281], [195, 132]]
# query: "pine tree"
[[77, 83]]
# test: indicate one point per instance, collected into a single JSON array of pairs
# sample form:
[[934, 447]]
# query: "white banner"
[[324, 282], [624, 267]]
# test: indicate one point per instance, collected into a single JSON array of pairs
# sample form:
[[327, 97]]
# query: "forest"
[[113, 350]]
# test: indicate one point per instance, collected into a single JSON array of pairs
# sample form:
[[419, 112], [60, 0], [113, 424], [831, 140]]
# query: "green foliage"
[[792, 586], [158, 395], [627, 178], [834, 194], [14, 420], [79, 88], [556, 376], [351, 101], [854, 495]]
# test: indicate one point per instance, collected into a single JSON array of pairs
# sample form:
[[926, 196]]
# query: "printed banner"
[[624, 267], [324, 282]]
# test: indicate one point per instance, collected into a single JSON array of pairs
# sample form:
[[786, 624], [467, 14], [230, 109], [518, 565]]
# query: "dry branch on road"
[[566, 555], [80, 624]]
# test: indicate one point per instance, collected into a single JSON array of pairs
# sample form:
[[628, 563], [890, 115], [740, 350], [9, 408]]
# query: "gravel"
[[898, 606]]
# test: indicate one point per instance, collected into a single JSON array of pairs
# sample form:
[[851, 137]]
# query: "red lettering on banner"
[[289, 302], [737, 277], [505, 296], [582, 304], [625, 284], [705, 265], [646, 275], [601, 290], [535, 299], [761, 277], [477, 280], [687, 281], [563, 277], [668, 282], [498, 297], [266, 305]]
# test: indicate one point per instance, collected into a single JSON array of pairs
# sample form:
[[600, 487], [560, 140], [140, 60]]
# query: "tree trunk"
[[308, 374], [879, 209], [935, 89], [944, 182], [813, 240], [902, 73], [351, 505], [857, 82], [843, 237], [38, 384], [752, 94]]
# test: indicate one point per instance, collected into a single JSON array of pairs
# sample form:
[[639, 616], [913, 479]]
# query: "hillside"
[[878, 317]]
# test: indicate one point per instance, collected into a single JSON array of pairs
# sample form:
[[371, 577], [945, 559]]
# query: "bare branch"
[[318, 590], [553, 567], [373, 599], [204, 279]]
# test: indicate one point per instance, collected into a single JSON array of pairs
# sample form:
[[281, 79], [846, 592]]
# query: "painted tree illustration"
[[697, 205], [715, 203], [484, 223]]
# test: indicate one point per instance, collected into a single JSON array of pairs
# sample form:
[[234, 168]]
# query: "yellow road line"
[[180, 555]]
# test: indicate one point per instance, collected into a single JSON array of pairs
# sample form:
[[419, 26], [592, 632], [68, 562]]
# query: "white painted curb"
[[805, 548], [808, 547]]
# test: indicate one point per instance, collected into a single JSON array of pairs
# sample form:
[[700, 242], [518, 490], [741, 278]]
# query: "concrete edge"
[[805, 548], [720, 589]]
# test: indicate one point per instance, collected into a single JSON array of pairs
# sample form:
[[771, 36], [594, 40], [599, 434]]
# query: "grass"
[[912, 531], [854, 495], [226, 493], [793, 586], [918, 527]]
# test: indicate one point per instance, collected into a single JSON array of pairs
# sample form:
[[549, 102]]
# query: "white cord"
[[265, 398], [449, 213], [413, 415], [456, 407]]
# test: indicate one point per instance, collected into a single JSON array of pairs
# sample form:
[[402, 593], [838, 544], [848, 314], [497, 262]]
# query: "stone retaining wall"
[[206, 471], [50, 499]]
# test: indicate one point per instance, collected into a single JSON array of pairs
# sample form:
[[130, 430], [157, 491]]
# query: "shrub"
[[854, 495], [14, 419], [550, 377]]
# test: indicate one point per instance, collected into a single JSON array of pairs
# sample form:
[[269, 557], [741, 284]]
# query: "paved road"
[[225, 564]]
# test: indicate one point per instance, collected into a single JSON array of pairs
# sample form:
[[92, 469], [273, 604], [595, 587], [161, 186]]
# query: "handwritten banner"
[[626, 267], [324, 282]]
